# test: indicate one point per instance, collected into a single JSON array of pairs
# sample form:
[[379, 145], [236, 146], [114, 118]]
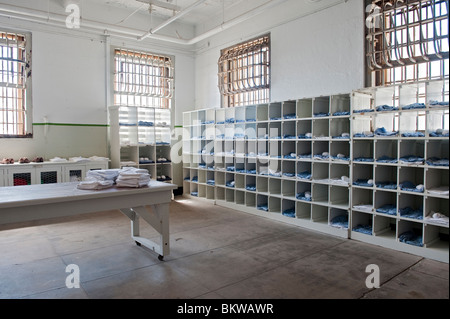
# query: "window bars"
[[244, 73], [13, 85], [143, 79], [407, 40]]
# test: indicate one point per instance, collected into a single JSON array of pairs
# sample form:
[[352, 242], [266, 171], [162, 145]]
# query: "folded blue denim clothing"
[[412, 159], [275, 174], [230, 120], [304, 175], [240, 121], [289, 213], [250, 187], [385, 107], [230, 184], [305, 136], [195, 194], [341, 113], [388, 209], [289, 116], [275, 118], [411, 187], [187, 179], [251, 171], [414, 106], [341, 157], [409, 237], [263, 207], [251, 120], [241, 171], [321, 114], [435, 161], [363, 182], [342, 136], [231, 169], [364, 111], [363, 134], [413, 134], [195, 179], [363, 159], [386, 159], [289, 137], [287, 174], [382, 132], [340, 221], [211, 168], [127, 124], [207, 122], [221, 136], [439, 133], [239, 136], [211, 182], [435, 103], [365, 229], [144, 123], [202, 166], [306, 155], [387, 185], [408, 212], [290, 156], [304, 196], [221, 122], [322, 156]]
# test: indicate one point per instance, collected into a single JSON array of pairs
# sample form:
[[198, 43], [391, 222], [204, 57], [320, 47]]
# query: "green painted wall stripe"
[[178, 126], [71, 124]]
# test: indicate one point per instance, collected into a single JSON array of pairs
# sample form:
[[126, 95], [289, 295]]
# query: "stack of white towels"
[[126, 177]]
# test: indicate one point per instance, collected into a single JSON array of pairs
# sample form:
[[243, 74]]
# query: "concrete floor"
[[216, 253]]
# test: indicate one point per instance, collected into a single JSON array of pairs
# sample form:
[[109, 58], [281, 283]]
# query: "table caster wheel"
[[139, 244], [161, 258]]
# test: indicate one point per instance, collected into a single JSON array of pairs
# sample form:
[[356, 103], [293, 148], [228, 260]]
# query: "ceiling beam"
[[161, 4]]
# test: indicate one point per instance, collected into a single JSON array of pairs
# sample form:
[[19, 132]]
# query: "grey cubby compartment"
[[239, 197], [275, 111], [262, 201], [251, 131], [202, 176], [319, 148], [383, 198], [288, 169], [250, 200], [220, 193], [304, 108], [229, 131], [274, 205], [386, 148], [321, 129], [339, 126], [202, 191], [287, 205], [319, 214], [409, 226], [240, 181], [362, 123], [411, 174], [359, 219], [304, 127], [250, 180], [320, 172], [339, 197], [262, 112], [230, 115], [275, 149], [289, 111], [304, 167], [386, 175], [303, 187], [262, 184], [437, 120], [275, 186], [362, 172], [320, 194], [220, 179], [251, 148], [321, 105], [239, 131], [416, 202], [239, 165], [340, 148], [250, 113], [384, 227], [437, 149], [250, 165], [263, 148], [436, 179], [338, 171], [210, 192], [436, 205], [304, 150], [229, 195], [436, 238], [388, 120], [289, 129], [262, 130], [340, 103], [412, 148], [288, 148], [240, 114], [363, 149], [303, 210], [412, 122], [275, 131], [362, 198], [336, 212], [288, 189]]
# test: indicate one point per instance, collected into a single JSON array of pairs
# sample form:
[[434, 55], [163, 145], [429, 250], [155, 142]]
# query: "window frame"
[[234, 82], [27, 105]]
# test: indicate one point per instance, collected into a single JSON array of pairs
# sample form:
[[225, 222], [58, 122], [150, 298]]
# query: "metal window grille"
[[244, 73], [14, 73], [143, 79], [407, 40]]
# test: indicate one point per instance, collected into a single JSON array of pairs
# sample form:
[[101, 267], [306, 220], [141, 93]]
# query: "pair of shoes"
[[7, 161], [38, 160], [24, 160]]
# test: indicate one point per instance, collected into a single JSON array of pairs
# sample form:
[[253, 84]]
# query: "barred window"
[[143, 79], [15, 85], [407, 41], [244, 73]]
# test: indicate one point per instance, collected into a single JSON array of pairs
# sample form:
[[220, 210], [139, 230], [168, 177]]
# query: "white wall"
[[317, 54]]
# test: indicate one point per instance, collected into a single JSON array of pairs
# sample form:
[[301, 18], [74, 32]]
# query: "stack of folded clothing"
[[99, 179], [133, 177]]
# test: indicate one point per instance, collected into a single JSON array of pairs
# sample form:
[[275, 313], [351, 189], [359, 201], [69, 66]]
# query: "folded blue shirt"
[[408, 212], [250, 187], [195, 194], [303, 196], [382, 132], [321, 114], [411, 187], [363, 159], [386, 159], [340, 221], [409, 237], [289, 116], [435, 161], [341, 113], [304, 175], [365, 229], [289, 213], [387, 185], [388, 209], [363, 135], [414, 106], [364, 111], [435, 103], [263, 207], [211, 182], [413, 134], [363, 182], [412, 159], [385, 107]]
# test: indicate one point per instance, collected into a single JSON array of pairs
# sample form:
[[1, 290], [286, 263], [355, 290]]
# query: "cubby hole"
[[240, 197], [250, 113], [410, 233], [303, 210], [275, 111], [250, 200], [250, 166], [210, 192], [435, 205], [411, 179], [239, 131], [362, 175], [275, 131], [250, 183], [202, 191], [384, 227], [340, 174], [362, 200], [229, 195], [288, 188], [389, 121], [288, 169], [437, 121], [413, 124], [304, 191], [220, 178], [289, 110], [239, 181], [262, 131], [304, 129], [340, 128], [275, 149], [339, 196], [386, 177], [275, 167], [320, 194], [275, 205], [304, 108], [320, 172], [194, 190], [202, 176], [289, 130], [262, 112], [304, 170], [239, 114], [386, 203], [288, 208], [262, 184], [437, 182], [275, 186], [363, 126], [321, 129], [321, 106], [289, 150], [251, 131], [436, 237], [304, 150], [220, 193], [437, 151], [386, 151], [411, 206], [262, 202], [240, 148], [412, 151], [321, 150], [252, 148], [339, 218], [230, 115], [340, 104], [229, 131], [319, 214], [211, 178], [363, 151], [220, 116]]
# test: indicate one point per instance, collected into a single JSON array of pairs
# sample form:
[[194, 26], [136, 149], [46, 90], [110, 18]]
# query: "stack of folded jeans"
[[304, 196], [411, 187], [382, 132], [411, 160], [409, 237], [363, 182], [289, 213], [414, 106], [386, 159], [388, 209], [409, 212], [365, 229], [383, 108], [340, 221], [435, 161], [387, 185], [251, 187]]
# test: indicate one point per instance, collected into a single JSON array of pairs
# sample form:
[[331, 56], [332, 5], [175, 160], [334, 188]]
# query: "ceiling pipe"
[[174, 18], [48, 18]]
